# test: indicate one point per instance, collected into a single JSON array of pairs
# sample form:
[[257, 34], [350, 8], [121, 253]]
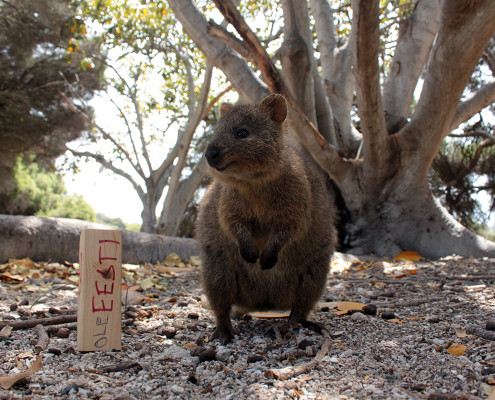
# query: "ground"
[[438, 344]]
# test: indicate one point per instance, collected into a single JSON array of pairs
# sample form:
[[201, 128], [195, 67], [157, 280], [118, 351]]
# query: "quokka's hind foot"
[[223, 334]]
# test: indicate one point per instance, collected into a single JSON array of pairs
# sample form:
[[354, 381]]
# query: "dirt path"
[[435, 308]]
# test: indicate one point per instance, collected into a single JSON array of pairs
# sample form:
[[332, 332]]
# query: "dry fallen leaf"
[[456, 349], [343, 307], [131, 297], [408, 255], [460, 333], [396, 320], [402, 274], [269, 314], [5, 332], [6, 382], [195, 261]]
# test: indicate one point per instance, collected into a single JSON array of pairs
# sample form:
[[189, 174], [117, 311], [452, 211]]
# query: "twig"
[[121, 366], [31, 323], [43, 338], [54, 329], [292, 371], [473, 330]]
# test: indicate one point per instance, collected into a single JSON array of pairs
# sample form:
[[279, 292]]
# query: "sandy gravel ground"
[[428, 332]]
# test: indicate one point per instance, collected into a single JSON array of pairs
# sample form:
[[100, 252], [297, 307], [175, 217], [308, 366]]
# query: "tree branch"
[[367, 74], [101, 160], [104, 133], [450, 66], [246, 83], [470, 107], [220, 33], [416, 35], [263, 61]]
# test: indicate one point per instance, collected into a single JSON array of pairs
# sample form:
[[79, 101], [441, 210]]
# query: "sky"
[[111, 195]]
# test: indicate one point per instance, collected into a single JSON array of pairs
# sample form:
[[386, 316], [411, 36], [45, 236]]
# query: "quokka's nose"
[[213, 155]]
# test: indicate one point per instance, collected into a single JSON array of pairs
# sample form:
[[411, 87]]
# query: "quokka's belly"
[[272, 289]]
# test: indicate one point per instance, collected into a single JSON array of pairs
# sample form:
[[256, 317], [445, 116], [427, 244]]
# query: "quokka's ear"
[[224, 108], [275, 106]]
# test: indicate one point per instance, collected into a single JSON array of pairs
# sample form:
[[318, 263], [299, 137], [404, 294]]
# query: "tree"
[[39, 192], [41, 53], [159, 86], [385, 188], [464, 167]]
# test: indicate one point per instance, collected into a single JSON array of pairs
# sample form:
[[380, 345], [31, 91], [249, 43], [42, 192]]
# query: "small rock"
[[388, 315], [176, 389], [207, 355], [63, 333], [193, 315], [359, 317], [254, 358], [14, 307], [54, 350], [53, 310], [488, 371], [192, 378], [370, 309], [388, 293], [24, 302], [284, 328], [168, 331], [490, 325], [223, 354], [305, 343], [433, 320], [23, 312], [182, 304], [65, 391]]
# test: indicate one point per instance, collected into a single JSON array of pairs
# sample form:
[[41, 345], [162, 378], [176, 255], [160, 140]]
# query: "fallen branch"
[[31, 323], [473, 330], [57, 239], [122, 366], [43, 339], [294, 370]]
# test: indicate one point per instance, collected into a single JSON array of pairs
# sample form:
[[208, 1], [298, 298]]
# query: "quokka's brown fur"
[[266, 224]]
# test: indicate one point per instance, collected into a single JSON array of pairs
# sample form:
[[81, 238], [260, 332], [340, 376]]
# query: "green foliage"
[[114, 222], [464, 168], [41, 57], [42, 193]]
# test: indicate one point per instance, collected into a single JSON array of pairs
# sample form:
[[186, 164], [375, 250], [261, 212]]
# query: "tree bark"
[[416, 35], [386, 194], [57, 239]]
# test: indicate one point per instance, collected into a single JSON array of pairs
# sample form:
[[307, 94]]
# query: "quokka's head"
[[248, 140]]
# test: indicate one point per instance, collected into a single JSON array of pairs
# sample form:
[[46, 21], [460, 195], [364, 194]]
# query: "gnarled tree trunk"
[[57, 239], [386, 191]]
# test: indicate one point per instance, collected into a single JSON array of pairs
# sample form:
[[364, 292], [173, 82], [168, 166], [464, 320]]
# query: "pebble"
[[305, 343], [388, 315], [254, 358], [223, 354], [13, 307], [370, 309], [490, 325], [63, 333], [207, 355], [357, 316], [168, 331]]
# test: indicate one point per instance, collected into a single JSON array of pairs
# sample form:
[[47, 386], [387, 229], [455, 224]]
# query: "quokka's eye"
[[241, 134]]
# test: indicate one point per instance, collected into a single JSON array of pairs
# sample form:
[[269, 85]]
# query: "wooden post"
[[100, 284]]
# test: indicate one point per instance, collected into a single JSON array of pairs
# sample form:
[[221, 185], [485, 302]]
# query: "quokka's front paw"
[[268, 259], [249, 253]]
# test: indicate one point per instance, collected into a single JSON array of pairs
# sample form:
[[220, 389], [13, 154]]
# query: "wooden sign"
[[100, 281]]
